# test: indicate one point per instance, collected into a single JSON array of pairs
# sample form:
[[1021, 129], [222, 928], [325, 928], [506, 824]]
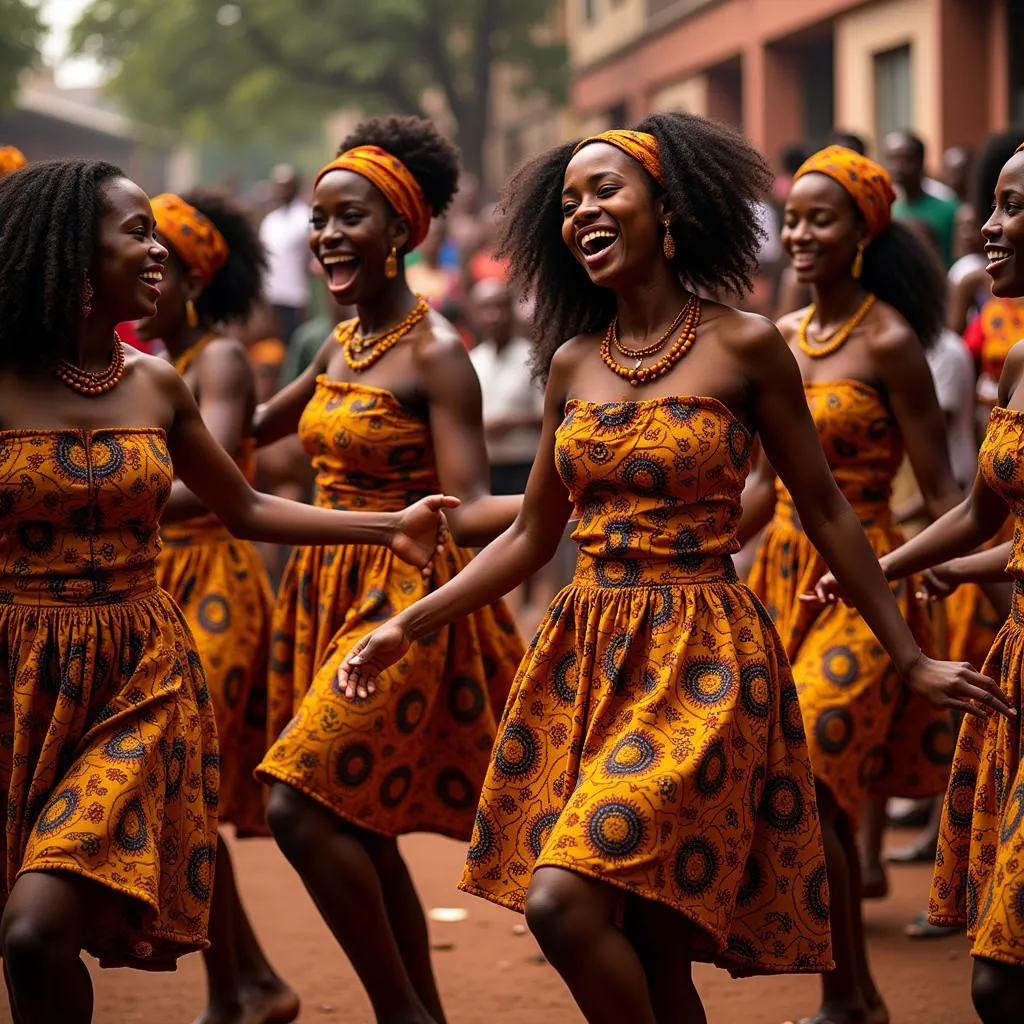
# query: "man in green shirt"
[[904, 157]]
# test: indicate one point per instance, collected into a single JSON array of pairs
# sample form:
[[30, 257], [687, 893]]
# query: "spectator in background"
[[849, 140], [482, 264], [284, 234], [956, 173], [434, 273], [904, 158], [309, 337]]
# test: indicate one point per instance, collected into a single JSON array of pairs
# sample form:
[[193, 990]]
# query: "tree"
[[21, 35], [264, 67]]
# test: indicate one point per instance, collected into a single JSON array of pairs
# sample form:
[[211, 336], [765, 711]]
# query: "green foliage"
[[274, 68], [21, 35]]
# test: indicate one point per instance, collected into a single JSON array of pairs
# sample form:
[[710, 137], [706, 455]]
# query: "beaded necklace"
[[688, 317], [838, 338], [90, 384], [376, 344]]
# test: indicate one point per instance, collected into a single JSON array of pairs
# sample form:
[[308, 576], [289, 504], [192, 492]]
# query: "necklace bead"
[[377, 344], [838, 338], [93, 384], [689, 319]]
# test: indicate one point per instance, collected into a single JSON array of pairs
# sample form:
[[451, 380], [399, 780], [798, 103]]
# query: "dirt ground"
[[489, 973]]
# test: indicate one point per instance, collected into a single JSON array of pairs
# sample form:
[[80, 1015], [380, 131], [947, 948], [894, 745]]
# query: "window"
[[894, 108]]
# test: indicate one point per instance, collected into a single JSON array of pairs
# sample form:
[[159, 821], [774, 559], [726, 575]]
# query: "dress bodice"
[[656, 481], [369, 451], [79, 514]]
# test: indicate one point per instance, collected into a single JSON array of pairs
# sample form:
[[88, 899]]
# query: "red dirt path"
[[490, 975]]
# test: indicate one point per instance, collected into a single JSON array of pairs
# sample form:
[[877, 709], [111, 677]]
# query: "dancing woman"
[[650, 801], [109, 757]]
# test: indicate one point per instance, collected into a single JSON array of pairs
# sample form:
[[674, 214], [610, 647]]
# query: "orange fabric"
[[395, 180], [110, 765], [11, 159], [867, 183], [412, 757], [868, 734], [979, 868], [652, 739], [641, 146], [197, 242], [1001, 322], [221, 586]]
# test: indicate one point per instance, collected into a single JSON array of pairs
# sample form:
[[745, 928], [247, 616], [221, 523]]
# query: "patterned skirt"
[[110, 769], [979, 867], [868, 734], [411, 757], [221, 587], [653, 741]]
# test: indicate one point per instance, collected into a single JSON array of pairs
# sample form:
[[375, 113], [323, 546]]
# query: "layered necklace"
[[92, 385], [361, 353], [188, 357], [834, 341], [685, 322]]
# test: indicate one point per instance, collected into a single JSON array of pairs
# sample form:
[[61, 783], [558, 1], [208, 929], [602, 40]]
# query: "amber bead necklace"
[[92, 385], [376, 345], [835, 341], [686, 320]]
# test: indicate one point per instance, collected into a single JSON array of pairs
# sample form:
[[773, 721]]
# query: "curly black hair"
[[236, 288], [713, 179], [432, 159], [49, 227], [902, 270], [996, 150]]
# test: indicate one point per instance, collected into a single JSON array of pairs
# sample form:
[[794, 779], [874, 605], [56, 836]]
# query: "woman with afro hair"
[[390, 408], [650, 800], [214, 274], [109, 759]]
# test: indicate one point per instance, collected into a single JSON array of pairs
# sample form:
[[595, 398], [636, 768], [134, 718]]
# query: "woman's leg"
[[242, 987], [337, 864], [41, 937], [875, 883], [997, 991], [572, 918]]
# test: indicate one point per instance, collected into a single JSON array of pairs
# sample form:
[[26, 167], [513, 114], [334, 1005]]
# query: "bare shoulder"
[[1013, 373], [891, 337], [153, 369], [789, 324], [745, 335], [437, 343]]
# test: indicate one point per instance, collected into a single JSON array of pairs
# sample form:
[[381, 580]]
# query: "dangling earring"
[[191, 316], [858, 263], [391, 264], [87, 294], [669, 244]]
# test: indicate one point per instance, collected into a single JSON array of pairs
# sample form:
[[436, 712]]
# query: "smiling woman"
[[110, 839]]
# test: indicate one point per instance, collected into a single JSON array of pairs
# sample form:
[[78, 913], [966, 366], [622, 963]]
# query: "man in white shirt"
[[284, 234]]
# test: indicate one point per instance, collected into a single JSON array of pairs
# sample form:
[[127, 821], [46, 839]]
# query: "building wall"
[[611, 24]]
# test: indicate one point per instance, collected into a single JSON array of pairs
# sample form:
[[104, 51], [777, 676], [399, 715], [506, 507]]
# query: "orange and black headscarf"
[[196, 241], [868, 184], [11, 159], [388, 174], [641, 146]]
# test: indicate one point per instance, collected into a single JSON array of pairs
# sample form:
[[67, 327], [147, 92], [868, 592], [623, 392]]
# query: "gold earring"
[[669, 244], [191, 316], [858, 263], [87, 294], [391, 264]]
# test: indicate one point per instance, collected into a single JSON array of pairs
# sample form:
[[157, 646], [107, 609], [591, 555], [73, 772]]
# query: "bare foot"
[[878, 1012], [838, 1015], [266, 1005], [874, 882]]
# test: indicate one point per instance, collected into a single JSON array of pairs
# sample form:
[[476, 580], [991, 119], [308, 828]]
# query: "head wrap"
[[641, 146], [388, 174], [196, 241], [867, 183], [11, 159]]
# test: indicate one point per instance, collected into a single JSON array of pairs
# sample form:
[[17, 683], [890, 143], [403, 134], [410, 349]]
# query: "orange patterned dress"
[[412, 757], [979, 868], [221, 586], [973, 622], [109, 760], [868, 734], [653, 737]]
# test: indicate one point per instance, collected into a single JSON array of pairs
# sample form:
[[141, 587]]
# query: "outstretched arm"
[[987, 566], [792, 446]]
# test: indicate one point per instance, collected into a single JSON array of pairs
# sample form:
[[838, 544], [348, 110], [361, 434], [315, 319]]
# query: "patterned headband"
[[196, 241], [867, 183], [641, 146], [395, 181]]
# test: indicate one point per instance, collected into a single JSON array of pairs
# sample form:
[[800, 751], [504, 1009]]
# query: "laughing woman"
[[214, 273], [390, 408], [108, 745], [650, 800], [860, 348]]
